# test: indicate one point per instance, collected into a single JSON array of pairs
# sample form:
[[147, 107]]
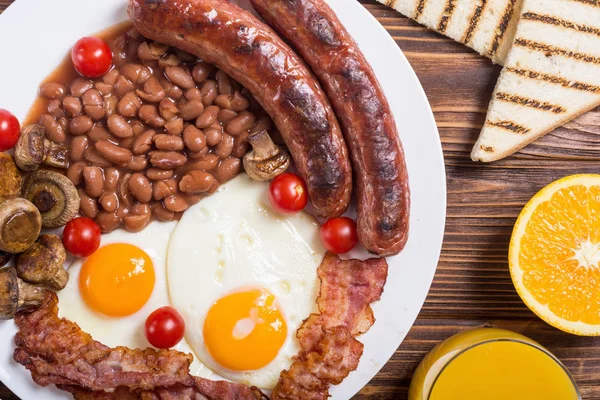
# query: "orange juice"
[[491, 364]]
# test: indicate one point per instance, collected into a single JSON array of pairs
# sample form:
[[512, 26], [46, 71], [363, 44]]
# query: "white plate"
[[36, 35]]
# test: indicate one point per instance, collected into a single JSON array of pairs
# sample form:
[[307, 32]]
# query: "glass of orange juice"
[[491, 364]]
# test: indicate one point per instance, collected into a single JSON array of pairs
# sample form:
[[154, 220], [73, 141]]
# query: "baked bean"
[[125, 198], [93, 104], [208, 117], [140, 209], [98, 133], [131, 71], [119, 127], [225, 147], [194, 139], [64, 123], [111, 77], [122, 211], [170, 60], [87, 205], [113, 153], [136, 223], [93, 179], [209, 92], [103, 88], [161, 213], [78, 147], [224, 83], [174, 127], [241, 145], [123, 86], [175, 92], [239, 103], [145, 54], [193, 94], [226, 115], [159, 49], [126, 143], [202, 71], [153, 91], [167, 159], [138, 127], [111, 179], [168, 109], [224, 100], [138, 163], [72, 106], [92, 156], [228, 169], [208, 163], [145, 74], [80, 86], [191, 110], [108, 222], [196, 182], [51, 90], [263, 123], [129, 105], [157, 174], [109, 201], [75, 172], [80, 125], [186, 57], [168, 142], [140, 188], [165, 188], [242, 123], [143, 143], [149, 114], [197, 155], [110, 105], [180, 76], [176, 203], [213, 136], [54, 131], [119, 49], [55, 108]]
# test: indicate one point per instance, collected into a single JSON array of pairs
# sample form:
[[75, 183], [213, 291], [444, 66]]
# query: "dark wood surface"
[[472, 287]]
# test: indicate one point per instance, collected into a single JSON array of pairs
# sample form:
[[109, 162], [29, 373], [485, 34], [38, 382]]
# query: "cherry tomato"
[[288, 193], [339, 235], [10, 130], [91, 57], [164, 328], [81, 237]]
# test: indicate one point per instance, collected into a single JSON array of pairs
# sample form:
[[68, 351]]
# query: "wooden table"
[[472, 287]]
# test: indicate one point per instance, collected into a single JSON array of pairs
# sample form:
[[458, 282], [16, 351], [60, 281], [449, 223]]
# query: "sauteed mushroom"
[[17, 295], [10, 178], [4, 258], [54, 195], [20, 225], [43, 263], [266, 160], [33, 149]]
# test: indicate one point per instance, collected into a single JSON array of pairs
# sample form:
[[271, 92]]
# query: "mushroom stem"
[[17, 295], [266, 160], [30, 296], [43, 263], [56, 155], [262, 145], [34, 149]]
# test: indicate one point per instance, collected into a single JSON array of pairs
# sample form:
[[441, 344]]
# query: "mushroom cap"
[[20, 225], [43, 263], [9, 293], [10, 177], [30, 149], [54, 195]]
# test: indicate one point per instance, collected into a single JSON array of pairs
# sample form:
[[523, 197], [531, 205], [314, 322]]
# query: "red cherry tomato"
[[81, 237], [339, 235], [164, 328], [10, 130], [91, 57], [288, 193]]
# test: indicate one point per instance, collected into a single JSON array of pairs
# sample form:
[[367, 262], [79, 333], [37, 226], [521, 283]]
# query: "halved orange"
[[554, 254]]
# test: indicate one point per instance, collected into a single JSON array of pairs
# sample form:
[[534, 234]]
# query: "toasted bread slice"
[[551, 76], [487, 26]]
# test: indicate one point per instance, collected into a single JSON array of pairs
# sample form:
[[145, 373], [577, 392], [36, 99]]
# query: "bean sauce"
[[153, 136]]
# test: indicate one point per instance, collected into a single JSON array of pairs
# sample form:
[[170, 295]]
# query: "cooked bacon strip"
[[57, 351], [330, 350]]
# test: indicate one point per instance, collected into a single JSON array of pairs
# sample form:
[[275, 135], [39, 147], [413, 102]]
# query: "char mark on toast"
[[509, 126], [528, 102]]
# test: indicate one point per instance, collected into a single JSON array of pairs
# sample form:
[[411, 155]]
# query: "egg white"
[[234, 240], [126, 331]]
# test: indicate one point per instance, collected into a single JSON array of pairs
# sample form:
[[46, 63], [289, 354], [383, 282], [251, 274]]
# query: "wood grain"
[[472, 287]]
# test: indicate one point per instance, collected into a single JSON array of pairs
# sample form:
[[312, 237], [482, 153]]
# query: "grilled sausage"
[[369, 127], [245, 48]]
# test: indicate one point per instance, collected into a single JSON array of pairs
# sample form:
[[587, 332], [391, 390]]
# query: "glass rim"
[[514, 340]]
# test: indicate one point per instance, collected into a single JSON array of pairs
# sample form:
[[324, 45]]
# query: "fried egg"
[[111, 293], [244, 278]]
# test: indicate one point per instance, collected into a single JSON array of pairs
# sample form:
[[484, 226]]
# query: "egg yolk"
[[117, 280], [244, 330]]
